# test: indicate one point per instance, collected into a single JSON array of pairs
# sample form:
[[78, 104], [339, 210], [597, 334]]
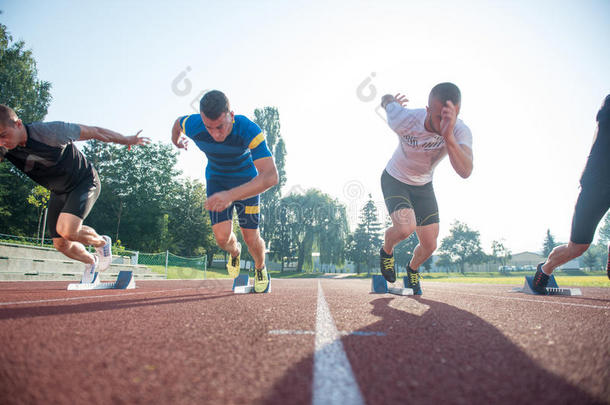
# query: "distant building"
[[526, 258]]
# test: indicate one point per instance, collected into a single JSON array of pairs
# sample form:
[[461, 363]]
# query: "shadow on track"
[[436, 353], [72, 307]]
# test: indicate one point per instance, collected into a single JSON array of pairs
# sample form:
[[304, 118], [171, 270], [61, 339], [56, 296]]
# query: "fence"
[[178, 266], [166, 262], [25, 240]]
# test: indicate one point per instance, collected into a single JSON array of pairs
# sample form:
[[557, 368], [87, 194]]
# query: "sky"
[[532, 77]]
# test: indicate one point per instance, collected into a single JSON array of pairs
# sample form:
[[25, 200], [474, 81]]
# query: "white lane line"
[[311, 332], [532, 300], [89, 297], [333, 378]]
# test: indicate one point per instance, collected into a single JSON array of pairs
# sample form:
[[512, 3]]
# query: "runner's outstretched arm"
[[106, 135], [177, 139], [267, 177]]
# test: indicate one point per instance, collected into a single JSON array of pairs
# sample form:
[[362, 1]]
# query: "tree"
[[604, 231], [311, 217], [20, 87], [462, 246], [500, 253], [268, 119], [366, 240], [138, 186], [282, 246], [29, 97], [39, 198], [596, 257], [549, 244], [16, 216]]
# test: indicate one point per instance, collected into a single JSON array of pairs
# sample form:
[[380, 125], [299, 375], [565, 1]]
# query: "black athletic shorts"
[[77, 202], [592, 204], [420, 199]]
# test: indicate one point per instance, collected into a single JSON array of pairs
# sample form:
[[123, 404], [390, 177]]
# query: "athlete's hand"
[[401, 99], [182, 143], [448, 119], [218, 201], [137, 140]]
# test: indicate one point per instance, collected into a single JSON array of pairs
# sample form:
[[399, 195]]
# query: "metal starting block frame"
[[241, 285], [551, 289], [379, 285], [124, 281]]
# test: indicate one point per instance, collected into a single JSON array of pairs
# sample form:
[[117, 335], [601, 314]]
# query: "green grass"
[[591, 279]]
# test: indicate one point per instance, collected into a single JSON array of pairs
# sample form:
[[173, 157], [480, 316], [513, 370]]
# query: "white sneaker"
[[105, 254], [90, 274]]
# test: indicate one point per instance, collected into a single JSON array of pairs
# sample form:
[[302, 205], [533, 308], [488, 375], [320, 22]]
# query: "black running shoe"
[[540, 280], [387, 266], [413, 278]]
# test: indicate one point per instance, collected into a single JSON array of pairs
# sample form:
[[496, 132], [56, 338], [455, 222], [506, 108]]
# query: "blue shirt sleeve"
[[191, 125], [255, 139]]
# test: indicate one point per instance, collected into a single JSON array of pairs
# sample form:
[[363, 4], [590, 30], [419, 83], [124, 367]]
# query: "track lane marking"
[[530, 300], [333, 378], [90, 297], [311, 332]]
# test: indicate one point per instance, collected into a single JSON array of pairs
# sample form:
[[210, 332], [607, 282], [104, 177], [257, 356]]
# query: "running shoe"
[[105, 254], [90, 275], [413, 278], [540, 280], [386, 264], [233, 264], [261, 280]]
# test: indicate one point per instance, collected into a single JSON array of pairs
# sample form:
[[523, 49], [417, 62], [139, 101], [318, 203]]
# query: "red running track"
[[185, 342]]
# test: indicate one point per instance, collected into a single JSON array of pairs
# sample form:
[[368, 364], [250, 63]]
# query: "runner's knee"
[[251, 239], [577, 250], [428, 246], [404, 231], [61, 244], [67, 233]]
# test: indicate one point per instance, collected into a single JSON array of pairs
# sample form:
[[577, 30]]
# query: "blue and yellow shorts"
[[248, 210]]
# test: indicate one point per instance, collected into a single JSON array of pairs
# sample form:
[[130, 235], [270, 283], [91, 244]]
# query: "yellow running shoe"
[[261, 280], [233, 264]]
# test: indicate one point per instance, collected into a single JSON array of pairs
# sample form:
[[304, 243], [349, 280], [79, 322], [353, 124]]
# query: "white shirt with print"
[[418, 151]]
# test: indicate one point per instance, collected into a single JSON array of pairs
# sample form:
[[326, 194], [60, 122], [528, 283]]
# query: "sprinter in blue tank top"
[[240, 167]]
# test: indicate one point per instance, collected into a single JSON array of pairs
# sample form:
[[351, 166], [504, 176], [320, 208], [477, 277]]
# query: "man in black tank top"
[[46, 153], [592, 203]]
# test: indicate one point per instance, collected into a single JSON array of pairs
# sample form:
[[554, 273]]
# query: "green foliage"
[[189, 223], [137, 187], [20, 88], [39, 198], [595, 258], [462, 246], [268, 119], [17, 217], [549, 244], [500, 253], [604, 230], [310, 218], [366, 240], [29, 97]]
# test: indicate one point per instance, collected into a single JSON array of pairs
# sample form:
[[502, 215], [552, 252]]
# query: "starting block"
[[379, 285], [241, 285], [551, 289], [124, 281]]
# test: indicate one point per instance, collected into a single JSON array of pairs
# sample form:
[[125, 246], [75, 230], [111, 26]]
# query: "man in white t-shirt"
[[425, 137]]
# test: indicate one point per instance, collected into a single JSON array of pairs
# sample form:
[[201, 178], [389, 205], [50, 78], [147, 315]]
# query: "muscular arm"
[[106, 135], [177, 138], [267, 177], [460, 157]]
